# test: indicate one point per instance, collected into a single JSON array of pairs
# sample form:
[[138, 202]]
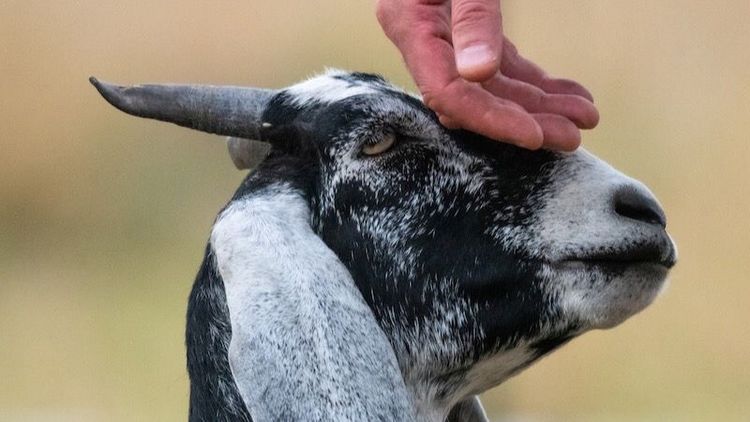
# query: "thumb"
[[477, 38]]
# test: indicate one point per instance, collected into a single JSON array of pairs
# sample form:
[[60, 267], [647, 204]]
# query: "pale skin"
[[472, 76]]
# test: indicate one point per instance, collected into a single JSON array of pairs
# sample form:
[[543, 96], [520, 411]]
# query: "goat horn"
[[223, 110]]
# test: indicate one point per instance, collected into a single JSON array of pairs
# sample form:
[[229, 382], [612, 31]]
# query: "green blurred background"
[[103, 217]]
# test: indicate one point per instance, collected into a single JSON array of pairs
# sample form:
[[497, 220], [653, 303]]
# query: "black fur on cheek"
[[499, 288]]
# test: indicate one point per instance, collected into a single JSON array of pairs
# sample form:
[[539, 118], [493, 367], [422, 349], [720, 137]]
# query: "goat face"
[[474, 257], [470, 246]]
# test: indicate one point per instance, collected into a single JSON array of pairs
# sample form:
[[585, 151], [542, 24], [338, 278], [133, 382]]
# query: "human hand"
[[474, 78]]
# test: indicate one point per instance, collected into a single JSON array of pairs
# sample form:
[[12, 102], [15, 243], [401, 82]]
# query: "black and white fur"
[[397, 287]]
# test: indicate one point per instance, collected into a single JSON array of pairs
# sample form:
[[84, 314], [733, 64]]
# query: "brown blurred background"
[[103, 217]]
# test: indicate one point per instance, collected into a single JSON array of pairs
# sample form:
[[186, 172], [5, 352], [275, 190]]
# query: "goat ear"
[[305, 345], [246, 153]]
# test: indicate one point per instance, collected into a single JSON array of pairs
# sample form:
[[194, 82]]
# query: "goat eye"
[[380, 147]]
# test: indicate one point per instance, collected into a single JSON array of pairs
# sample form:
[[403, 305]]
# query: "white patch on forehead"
[[327, 88]]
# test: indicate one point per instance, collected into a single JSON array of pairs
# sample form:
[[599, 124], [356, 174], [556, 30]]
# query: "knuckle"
[[431, 100], [510, 49], [436, 101], [472, 13], [436, 98]]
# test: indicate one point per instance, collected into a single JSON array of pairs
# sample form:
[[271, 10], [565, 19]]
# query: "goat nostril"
[[632, 203]]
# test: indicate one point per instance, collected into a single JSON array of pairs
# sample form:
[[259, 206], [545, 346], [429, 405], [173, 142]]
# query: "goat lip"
[[617, 264], [626, 259], [652, 255], [606, 262]]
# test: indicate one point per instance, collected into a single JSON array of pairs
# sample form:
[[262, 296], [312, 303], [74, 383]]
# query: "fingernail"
[[474, 56]]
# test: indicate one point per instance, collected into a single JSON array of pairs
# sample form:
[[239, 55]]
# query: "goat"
[[378, 266]]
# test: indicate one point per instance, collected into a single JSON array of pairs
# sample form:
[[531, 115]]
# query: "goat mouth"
[[649, 256], [615, 268]]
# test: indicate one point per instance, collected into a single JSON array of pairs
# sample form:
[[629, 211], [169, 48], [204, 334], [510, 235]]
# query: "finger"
[[535, 100], [560, 134], [514, 66], [429, 56], [477, 38], [566, 86], [389, 15], [448, 122], [471, 107]]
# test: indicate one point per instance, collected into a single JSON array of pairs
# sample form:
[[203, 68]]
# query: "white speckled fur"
[[326, 88]]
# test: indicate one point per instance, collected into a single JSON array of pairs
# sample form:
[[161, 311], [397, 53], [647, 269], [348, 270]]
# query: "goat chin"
[[619, 291], [375, 265]]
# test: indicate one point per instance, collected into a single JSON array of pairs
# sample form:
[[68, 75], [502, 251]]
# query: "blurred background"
[[103, 217]]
